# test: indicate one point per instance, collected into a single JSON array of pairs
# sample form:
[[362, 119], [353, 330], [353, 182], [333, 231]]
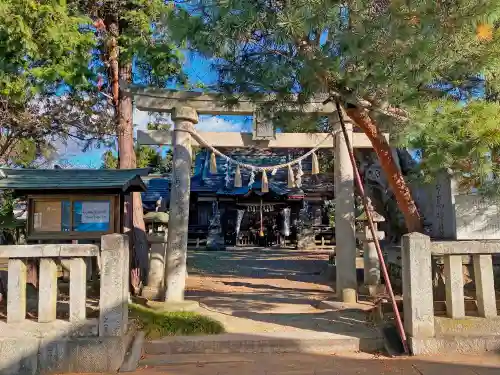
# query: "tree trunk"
[[133, 215], [394, 176], [127, 160]]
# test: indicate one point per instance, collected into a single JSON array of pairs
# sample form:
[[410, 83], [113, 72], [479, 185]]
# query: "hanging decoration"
[[251, 181], [227, 178], [261, 220], [315, 164], [264, 184], [293, 181], [237, 177], [213, 163], [286, 221], [239, 219], [291, 178], [298, 177]]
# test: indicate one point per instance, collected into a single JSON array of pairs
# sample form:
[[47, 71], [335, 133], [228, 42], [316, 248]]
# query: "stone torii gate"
[[185, 108]]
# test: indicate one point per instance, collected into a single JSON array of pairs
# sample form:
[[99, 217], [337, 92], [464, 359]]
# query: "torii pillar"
[[345, 235], [184, 119]]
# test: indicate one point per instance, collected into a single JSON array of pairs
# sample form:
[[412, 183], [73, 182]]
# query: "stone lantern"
[[370, 256], [157, 223]]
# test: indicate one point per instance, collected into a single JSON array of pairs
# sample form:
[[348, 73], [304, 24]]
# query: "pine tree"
[[383, 60]]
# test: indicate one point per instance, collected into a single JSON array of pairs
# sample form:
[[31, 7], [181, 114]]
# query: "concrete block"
[[47, 291], [19, 356], [134, 354], [16, 296], [454, 282], [485, 286], [418, 303], [113, 303], [49, 251], [77, 290]]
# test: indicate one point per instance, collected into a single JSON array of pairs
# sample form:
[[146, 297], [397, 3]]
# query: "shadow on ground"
[[327, 364], [272, 290]]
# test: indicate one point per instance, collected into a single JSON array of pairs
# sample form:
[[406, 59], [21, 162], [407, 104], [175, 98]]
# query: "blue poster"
[[91, 216]]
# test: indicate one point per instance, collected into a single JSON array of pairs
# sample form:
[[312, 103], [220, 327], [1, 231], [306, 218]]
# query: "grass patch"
[[157, 324]]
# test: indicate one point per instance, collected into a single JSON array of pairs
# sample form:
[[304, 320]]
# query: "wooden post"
[[184, 118]]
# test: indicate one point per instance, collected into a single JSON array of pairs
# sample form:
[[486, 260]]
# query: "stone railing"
[[47, 344], [428, 333]]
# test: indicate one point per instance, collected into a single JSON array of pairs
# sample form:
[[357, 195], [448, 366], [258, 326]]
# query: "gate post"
[[175, 268], [345, 236]]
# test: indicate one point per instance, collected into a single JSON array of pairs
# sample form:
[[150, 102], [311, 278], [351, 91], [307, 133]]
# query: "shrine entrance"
[[257, 224], [185, 107]]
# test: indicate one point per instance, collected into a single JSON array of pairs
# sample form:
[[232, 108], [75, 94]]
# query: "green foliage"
[[382, 55], [41, 44], [462, 138], [142, 31], [146, 156], [315, 46], [157, 324], [44, 45]]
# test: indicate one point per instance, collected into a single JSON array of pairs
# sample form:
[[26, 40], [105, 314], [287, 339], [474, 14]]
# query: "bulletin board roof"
[[123, 180]]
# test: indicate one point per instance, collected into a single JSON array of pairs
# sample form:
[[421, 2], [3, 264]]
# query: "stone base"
[[215, 242], [32, 355], [454, 344], [306, 241], [339, 305], [153, 293], [372, 290], [185, 305], [331, 271]]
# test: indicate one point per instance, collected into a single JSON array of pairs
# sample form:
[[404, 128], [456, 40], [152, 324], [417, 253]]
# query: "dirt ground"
[[268, 290]]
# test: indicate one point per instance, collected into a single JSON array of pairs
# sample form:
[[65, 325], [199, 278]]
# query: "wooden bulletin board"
[[47, 216]]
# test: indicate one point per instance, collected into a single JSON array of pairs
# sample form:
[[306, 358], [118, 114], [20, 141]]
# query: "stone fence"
[[78, 344], [457, 332]]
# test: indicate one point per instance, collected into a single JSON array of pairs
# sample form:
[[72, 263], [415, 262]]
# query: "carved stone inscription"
[[263, 128]]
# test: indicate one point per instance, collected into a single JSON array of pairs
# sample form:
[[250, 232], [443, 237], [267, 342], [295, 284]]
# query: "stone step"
[[278, 342]]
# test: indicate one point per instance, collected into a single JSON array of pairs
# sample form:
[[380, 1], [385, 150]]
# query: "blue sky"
[[198, 70]]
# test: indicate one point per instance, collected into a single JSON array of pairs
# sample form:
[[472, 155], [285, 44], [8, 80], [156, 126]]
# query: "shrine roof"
[[124, 180], [205, 181]]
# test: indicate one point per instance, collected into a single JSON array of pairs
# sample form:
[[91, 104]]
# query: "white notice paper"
[[95, 212], [37, 220]]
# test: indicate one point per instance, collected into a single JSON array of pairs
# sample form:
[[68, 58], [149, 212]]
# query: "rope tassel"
[[213, 164], [237, 177], [315, 164], [265, 183], [291, 178]]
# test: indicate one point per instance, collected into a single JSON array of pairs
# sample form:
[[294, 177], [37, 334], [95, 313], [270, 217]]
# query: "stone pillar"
[[454, 282], [418, 302], [77, 290], [47, 291], [485, 285], [175, 271], [154, 290], [113, 302], [371, 262], [16, 296], [345, 237]]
